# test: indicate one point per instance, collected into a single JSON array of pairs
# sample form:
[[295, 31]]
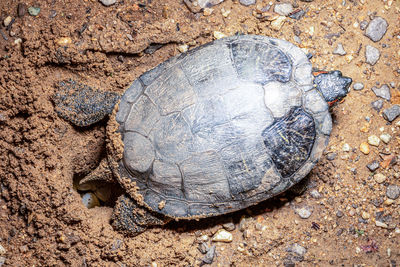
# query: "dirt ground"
[[42, 219]]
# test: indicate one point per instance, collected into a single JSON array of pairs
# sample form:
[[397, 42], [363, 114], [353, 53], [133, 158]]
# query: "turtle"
[[213, 130]]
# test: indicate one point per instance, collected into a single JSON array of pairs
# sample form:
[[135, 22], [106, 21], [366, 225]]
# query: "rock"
[[90, 200], [383, 92], [108, 2], [7, 21], [365, 215], [315, 194], [390, 114], [358, 86], [363, 25], [278, 23], [283, 9], [183, 48], [377, 105], [381, 224], [373, 140], [21, 9], [379, 178], [364, 148], [243, 224], [346, 147], [393, 191], [2, 261], [339, 214], [339, 50], [376, 29], [203, 248], [222, 236], [34, 11], [331, 156], [304, 212], [247, 2], [385, 137], [297, 14], [229, 226], [372, 55], [373, 166], [207, 11], [219, 35], [296, 248], [2, 250], [64, 41], [209, 257]]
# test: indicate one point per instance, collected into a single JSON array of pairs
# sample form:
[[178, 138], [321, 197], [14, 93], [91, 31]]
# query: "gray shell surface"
[[222, 127]]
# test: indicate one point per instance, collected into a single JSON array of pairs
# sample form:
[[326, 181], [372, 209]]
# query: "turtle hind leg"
[[81, 104], [132, 219]]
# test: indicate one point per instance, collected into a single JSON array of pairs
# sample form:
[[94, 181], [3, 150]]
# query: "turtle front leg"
[[131, 219]]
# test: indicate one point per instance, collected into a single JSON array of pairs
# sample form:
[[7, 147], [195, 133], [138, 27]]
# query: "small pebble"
[[90, 200], [339, 50], [381, 224], [207, 11], [385, 137], [372, 55], [377, 105], [222, 236], [230, 226], [203, 248], [34, 11], [278, 23], [364, 148], [393, 191], [2, 261], [383, 92], [379, 178], [390, 114], [7, 21], [339, 214], [2, 250], [209, 257], [376, 29], [108, 2], [243, 224], [392, 84], [304, 212], [363, 25], [346, 147], [373, 166], [358, 86], [315, 194], [21, 9], [283, 9], [388, 202], [373, 140], [365, 215], [296, 248], [64, 41], [247, 2], [219, 35], [331, 156], [183, 48]]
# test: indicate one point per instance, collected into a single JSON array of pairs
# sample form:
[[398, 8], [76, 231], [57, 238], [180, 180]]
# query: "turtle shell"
[[221, 127]]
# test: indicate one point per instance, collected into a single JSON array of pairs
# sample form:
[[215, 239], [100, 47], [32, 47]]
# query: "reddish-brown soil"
[[42, 219]]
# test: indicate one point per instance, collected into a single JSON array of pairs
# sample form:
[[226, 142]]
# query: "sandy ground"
[[42, 219]]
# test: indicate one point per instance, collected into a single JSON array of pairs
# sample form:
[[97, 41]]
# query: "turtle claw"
[[132, 219], [81, 104]]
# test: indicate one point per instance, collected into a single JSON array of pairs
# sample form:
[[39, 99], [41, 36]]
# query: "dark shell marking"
[[222, 127]]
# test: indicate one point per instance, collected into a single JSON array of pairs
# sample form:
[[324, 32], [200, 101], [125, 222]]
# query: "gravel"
[[393, 191], [376, 29], [358, 86], [247, 2], [377, 105], [391, 113], [283, 9], [304, 212], [373, 166], [108, 2], [209, 257], [339, 50], [296, 248], [383, 92], [372, 55]]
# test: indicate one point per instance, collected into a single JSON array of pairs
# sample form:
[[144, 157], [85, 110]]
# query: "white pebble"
[[219, 35], [373, 140], [7, 21], [183, 48], [386, 138], [381, 224], [346, 147], [222, 236], [379, 178], [90, 200]]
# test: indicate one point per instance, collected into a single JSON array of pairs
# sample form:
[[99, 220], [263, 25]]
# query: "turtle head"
[[332, 85]]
